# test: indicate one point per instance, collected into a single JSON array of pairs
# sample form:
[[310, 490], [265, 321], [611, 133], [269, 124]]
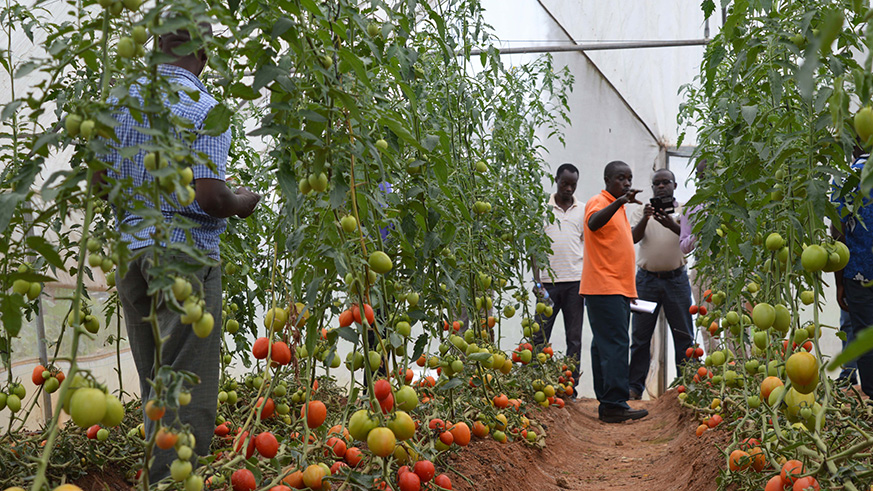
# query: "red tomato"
[[805, 484], [243, 480], [92, 432], [424, 469], [409, 481], [353, 456], [382, 389], [443, 481], [260, 348], [267, 445]]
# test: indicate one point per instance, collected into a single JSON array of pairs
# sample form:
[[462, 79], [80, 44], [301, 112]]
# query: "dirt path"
[[657, 452]]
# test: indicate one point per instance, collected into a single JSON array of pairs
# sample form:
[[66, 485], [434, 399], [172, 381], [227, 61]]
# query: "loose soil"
[[660, 451], [97, 480]]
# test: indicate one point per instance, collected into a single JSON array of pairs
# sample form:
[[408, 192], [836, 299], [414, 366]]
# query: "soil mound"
[[660, 451]]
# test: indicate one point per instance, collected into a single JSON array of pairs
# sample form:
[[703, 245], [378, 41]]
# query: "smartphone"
[[663, 204]]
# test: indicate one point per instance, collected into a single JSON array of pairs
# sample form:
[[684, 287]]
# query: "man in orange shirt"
[[608, 284]]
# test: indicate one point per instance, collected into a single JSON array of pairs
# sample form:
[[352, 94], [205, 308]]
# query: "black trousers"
[[566, 298]]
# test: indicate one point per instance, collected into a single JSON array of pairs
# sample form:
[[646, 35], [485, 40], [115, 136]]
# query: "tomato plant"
[[776, 137], [402, 183]]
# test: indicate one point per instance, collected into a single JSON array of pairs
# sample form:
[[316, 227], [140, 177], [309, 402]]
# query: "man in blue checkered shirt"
[[214, 201], [853, 294]]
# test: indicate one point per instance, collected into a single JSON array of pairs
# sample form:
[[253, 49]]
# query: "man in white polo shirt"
[[562, 284], [661, 278]]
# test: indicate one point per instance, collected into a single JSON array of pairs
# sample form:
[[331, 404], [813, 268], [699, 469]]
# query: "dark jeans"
[[566, 298], [851, 368], [674, 295], [609, 316], [860, 300], [182, 350]]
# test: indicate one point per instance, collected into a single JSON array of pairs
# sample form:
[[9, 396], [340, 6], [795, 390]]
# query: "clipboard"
[[643, 306]]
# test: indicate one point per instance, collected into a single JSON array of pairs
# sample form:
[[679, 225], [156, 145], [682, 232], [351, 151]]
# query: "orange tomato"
[[280, 353], [260, 348], [461, 434], [338, 446], [346, 318], [739, 460], [775, 484], [316, 414], [479, 429], [36, 376], [269, 407], [501, 401], [293, 479], [759, 461], [154, 411], [447, 438], [353, 456], [768, 385], [313, 476], [165, 439], [267, 445], [805, 484], [790, 470]]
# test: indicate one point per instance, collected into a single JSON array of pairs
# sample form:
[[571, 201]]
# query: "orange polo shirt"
[[608, 265]]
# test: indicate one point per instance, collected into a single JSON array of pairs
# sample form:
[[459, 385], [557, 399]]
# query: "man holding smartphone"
[[661, 277]]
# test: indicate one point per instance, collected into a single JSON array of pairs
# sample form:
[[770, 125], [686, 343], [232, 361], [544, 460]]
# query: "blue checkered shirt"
[[206, 234], [858, 236]]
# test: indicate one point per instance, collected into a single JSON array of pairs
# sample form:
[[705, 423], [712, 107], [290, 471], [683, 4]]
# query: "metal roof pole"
[[598, 46], [40, 326]]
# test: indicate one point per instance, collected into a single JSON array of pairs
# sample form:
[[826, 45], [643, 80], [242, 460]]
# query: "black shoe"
[[634, 395], [613, 416]]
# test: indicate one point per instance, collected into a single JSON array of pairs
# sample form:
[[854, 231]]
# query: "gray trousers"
[[182, 350]]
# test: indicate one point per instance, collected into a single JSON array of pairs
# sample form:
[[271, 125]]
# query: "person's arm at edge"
[[535, 268], [601, 217], [639, 230], [217, 200], [98, 184], [687, 240]]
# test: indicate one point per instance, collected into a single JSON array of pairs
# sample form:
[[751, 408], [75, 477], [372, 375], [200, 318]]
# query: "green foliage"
[[330, 117]]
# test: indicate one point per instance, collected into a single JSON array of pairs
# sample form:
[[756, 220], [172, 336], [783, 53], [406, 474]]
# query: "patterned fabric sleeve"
[[217, 148]]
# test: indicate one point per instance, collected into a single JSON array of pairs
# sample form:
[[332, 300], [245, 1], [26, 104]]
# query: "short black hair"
[[672, 175], [173, 40], [611, 167], [565, 167]]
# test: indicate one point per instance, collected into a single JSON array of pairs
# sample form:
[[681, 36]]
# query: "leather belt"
[[665, 275]]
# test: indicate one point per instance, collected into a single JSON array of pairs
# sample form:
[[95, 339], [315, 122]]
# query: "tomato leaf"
[[10, 312], [281, 26], [420, 344], [451, 384], [479, 356], [348, 334], [9, 110], [218, 120], [46, 250]]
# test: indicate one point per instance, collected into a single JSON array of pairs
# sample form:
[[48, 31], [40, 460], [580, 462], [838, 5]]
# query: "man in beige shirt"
[[562, 283], [661, 278]]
